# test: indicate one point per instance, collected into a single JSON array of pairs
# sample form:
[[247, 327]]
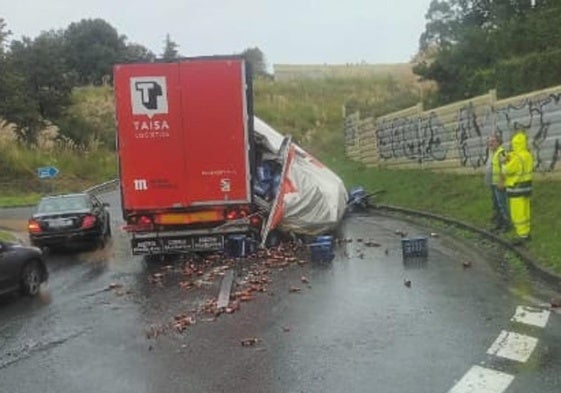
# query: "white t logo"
[[149, 95]]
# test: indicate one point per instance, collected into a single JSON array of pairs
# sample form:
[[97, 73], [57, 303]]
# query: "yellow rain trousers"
[[520, 214], [518, 182]]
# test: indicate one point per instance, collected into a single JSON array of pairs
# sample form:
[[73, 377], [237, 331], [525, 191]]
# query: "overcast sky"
[[287, 31]]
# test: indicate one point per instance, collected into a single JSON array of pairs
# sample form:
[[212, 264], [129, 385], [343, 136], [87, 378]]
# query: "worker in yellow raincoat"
[[517, 169]]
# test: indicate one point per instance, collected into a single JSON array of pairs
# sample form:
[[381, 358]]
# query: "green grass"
[[79, 169], [6, 236], [312, 110], [464, 197], [23, 199]]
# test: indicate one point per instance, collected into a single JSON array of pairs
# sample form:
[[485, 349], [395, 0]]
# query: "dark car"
[[21, 268], [69, 220]]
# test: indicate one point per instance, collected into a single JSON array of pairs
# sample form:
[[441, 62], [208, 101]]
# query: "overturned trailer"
[[299, 194]]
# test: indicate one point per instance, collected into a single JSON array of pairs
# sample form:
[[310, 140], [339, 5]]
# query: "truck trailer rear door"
[[183, 133]]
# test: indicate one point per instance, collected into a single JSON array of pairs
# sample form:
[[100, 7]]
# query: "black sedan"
[[68, 220], [21, 268]]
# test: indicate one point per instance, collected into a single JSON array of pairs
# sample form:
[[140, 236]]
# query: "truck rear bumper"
[[172, 242]]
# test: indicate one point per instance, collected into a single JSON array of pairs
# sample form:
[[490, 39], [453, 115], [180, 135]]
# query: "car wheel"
[[101, 241], [31, 279], [108, 231]]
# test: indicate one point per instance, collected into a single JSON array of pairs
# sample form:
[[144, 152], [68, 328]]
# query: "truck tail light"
[[88, 221], [255, 220], [235, 214], [139, 224], [33, 226], [144, 220]]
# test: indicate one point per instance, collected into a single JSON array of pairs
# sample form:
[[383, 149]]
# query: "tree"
[[440, 29], [256, 58], [93, 46], [138, 53], [469, 39], [170, 49], [4, 34], [39, 84]]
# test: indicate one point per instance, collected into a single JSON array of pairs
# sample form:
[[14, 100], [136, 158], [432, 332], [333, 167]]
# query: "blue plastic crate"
[[322, 249], [324, 239], [415, 247], [239, 246]]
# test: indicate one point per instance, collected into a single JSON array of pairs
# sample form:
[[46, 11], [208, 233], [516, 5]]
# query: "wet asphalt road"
[[356, 328]]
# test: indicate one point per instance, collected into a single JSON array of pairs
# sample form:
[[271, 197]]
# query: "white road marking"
[[531, 316], [513, 346], [482, 380], [225, 289]]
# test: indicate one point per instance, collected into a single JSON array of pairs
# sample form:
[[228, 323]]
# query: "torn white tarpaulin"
[[310, 199]]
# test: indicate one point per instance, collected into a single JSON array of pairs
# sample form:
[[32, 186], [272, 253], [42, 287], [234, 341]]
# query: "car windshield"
[[63, 204]]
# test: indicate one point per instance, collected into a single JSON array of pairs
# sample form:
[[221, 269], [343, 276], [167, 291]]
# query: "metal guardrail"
[[103, 187]]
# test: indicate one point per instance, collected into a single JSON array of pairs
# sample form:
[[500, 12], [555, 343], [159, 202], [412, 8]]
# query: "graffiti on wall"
[[541, 118], [471, 136], [418, 138], [425, 138]]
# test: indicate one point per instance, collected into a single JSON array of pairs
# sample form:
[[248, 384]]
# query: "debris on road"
[[253, 277], [399, 232], [186, 285], [371, 243], [434, 234], [285, 329], [555, 302], [407, 283], [182, 321], [248, 342], [115, 285], [466, 264]]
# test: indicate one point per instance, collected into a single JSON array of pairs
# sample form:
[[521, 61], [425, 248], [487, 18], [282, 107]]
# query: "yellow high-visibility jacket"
[[519, 167]]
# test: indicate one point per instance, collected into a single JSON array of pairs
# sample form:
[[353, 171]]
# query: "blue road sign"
[[47, 172]]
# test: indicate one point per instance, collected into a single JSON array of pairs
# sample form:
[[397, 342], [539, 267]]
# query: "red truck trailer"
[[185, 148]]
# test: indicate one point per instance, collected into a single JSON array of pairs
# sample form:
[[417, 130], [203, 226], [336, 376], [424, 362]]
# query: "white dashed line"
[[531, 316], [483, 380], [508, 345], [513, 346]]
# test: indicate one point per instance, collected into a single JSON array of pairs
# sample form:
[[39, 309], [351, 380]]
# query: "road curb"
[[531, 263]]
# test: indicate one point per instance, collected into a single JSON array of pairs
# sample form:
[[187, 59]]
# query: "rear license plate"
[[210, 242], [145, 246], [60, 223], [177, 244]]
